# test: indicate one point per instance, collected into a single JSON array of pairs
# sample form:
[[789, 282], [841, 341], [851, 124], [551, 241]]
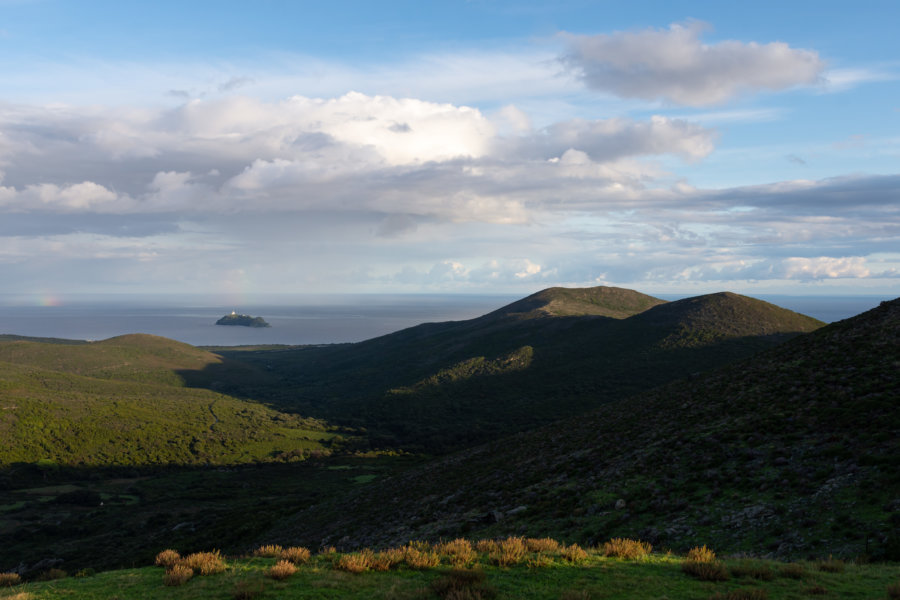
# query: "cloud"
[[675, 65], [825, 267]]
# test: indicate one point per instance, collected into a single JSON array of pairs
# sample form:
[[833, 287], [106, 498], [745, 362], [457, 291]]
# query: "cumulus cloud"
[[675, 65], [825, 267]]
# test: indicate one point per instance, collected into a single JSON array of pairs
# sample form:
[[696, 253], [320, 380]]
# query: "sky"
[[478, 146]]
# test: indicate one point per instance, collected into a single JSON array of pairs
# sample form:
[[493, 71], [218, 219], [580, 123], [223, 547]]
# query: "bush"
[[463, 584], [486, 546], [754, 569], [356, 562], [167, 558], [574, 553], [178, 575], [295, 554], [52, 574], [625, 548], [282, 570], [268, 551], [388, 559], [701, 554], [204, 563], [542, 545], [420, 559], [9, 579], [459, 552], [705, 571], [510, 551], [792, 571]]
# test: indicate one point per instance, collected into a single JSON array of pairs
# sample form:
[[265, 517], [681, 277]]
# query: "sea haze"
[[295, 320]]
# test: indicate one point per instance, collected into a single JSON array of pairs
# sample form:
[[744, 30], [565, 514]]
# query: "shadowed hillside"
[[558, 353], [793, 452]]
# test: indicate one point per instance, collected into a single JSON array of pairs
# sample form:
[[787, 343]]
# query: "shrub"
[[9, 579], [832, 565], [701, 554], [510, 551], [574, 553], [328, 550], [754, 569], [356, 562], [542, 545], [893, 591], [792, 571], [295, 554], [459, 552], [486, 546], [268, 551], [282, 570], [204, 563], [463, 584], [625, 548], [420, 559], [705, 571], [742, 594], [178, 575], [388, 559], [167, 558]]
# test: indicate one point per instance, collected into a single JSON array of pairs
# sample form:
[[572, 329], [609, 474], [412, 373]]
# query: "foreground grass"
[[539, 575]]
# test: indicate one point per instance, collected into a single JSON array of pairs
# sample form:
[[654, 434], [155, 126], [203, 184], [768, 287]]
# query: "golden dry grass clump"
[[701, 554], [510, 551], [268, 551], [282, 570], [178, 574], [204, 563], [458, 552], [9, 579], [420, 556], [295, 554], [626, 548], [706, 571], [167, 558], [548, 545], [574, 553]]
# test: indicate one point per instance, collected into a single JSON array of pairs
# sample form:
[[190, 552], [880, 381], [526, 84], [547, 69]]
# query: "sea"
[[295, 320]]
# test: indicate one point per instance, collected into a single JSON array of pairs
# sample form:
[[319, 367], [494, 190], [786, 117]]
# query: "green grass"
[[658, 576]]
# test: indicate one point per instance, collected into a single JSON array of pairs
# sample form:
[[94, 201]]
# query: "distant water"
[[305, 320]]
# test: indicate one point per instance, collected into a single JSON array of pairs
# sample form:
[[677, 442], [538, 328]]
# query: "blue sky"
[[481, 146]]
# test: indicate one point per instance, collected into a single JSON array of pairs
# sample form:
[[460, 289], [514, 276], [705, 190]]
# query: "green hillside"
[[792, 453], [558, 353], [122, 402]]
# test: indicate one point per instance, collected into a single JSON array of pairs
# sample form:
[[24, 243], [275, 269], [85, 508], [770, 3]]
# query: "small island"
[[242, 320]]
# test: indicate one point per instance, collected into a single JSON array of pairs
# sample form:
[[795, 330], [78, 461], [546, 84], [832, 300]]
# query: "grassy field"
[[539, 571]]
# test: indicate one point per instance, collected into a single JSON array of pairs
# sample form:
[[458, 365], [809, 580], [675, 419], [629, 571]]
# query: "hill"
[[558, 353], [793, 452]]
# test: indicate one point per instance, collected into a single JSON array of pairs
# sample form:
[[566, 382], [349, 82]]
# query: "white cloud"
[[825, 267], [675, 65]]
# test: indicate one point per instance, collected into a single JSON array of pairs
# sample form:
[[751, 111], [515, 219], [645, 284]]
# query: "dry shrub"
[[832, 565], [792, 571], [625, 548], [204, 563], [9, 579], [459, 552], [893, 591], [52, 574], [542, 545], [510, 551], [754, 569], [388, 559], [486, 546], [742, 594], [463, 584], [295, 554], [282, 570], [356, 562], [328, 550], [178, 574], [417, 558], [701, 554], [20, 596], [574, 553], [705, 571], [167, 558], [269, 551], [538, 561]]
